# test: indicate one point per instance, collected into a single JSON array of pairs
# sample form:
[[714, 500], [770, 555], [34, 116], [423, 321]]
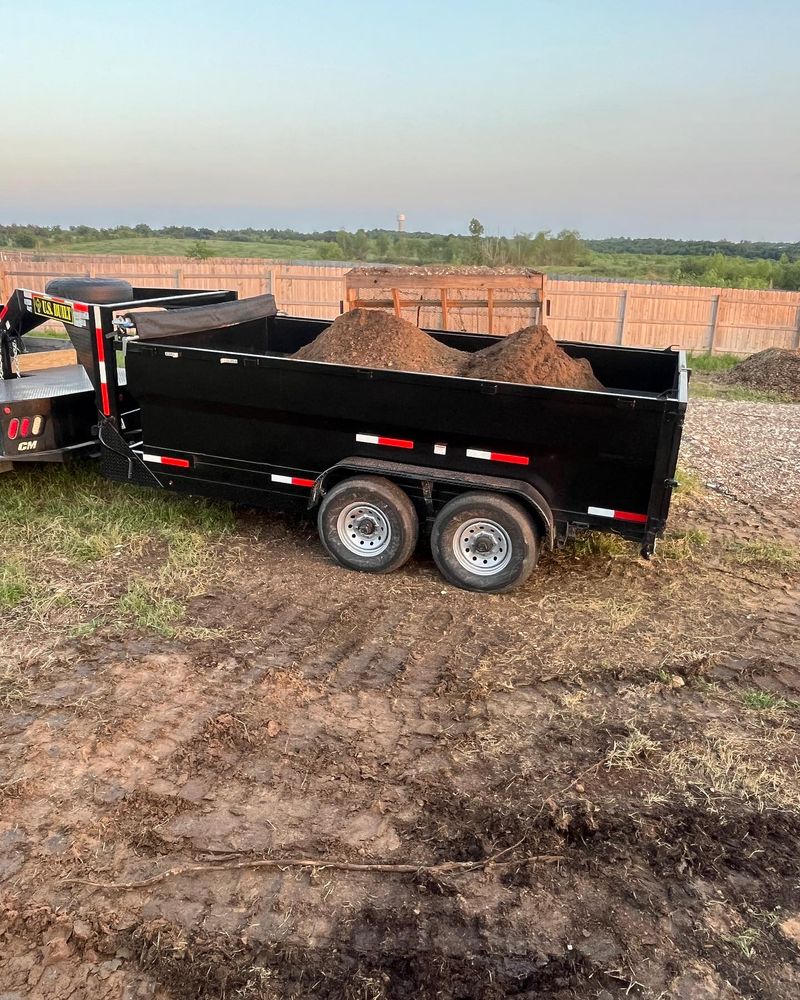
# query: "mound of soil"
[[773, 370], [372, 338], [531, 356]]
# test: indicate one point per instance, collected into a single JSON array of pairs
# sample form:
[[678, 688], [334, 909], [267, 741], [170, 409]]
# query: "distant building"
[[401, 222]]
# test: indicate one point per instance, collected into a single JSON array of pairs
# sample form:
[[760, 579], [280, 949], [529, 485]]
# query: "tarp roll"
[[174, 322]]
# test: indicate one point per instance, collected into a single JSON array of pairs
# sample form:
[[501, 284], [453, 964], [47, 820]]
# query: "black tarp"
[[174, 322]]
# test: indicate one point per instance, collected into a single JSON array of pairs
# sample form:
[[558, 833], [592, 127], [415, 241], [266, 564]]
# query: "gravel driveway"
[[750, 451]]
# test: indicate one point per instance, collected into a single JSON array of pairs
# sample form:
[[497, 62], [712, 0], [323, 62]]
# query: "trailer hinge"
[[427, 496], [672, 484], [573, 529]]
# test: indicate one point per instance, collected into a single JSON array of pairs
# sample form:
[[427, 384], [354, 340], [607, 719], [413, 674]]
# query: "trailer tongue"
[[211, 402]]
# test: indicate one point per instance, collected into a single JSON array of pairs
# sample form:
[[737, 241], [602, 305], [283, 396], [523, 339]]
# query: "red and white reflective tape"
[[101, 360], [498, 456], [385, 441], [617, 515], [179, 463], [292, 480], [3, 312]]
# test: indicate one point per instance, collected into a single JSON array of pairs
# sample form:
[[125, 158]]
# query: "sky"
[[613, 117]]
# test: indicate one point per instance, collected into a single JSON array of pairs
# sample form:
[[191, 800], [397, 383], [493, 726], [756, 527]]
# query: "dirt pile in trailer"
[[370, 338], [374, 339], [773, 370], [532, 356]]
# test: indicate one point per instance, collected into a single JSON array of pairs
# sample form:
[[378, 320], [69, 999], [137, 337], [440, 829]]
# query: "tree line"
[[525, 249], [753, 265], [700, 248]]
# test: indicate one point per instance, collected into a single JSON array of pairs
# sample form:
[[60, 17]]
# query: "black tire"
[[485, 542], [369, 524], [99, 291]]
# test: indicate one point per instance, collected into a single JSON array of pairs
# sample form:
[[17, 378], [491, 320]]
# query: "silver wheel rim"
[[482, 546], [364, 529]]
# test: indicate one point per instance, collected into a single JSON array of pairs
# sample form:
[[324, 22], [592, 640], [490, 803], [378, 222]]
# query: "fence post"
[[3, 293], [712, 323], [179, 279], [797, 331], [622, 319]]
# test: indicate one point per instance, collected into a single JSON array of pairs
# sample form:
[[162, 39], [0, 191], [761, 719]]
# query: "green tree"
[[476, 240], [199, 251], [360, 245], [344, 239]]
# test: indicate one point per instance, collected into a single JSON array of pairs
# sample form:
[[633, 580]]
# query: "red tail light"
[[24, 427], [13, 429]]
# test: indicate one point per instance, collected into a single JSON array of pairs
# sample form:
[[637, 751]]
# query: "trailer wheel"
[[485, 542], [96, 290], [368, 523]]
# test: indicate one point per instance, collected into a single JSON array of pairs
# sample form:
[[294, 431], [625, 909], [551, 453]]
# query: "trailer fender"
[[423, 474]]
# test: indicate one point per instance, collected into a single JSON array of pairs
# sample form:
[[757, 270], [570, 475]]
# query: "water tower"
[[401, 222]]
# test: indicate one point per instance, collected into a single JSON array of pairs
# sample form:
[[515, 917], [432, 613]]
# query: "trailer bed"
[[232, 412], [212, 400]]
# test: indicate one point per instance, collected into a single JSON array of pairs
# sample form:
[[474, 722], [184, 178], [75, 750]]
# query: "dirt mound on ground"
[[773, 370], [531, 356], [375, 339]]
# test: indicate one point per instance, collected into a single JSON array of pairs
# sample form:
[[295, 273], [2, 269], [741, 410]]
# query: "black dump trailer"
[[210, 402]]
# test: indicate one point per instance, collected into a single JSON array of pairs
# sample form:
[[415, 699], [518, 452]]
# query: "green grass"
[[605, 544], [640, 267], [763, 701], [58, 521], [689, 484], [745, 941], [173, 247], [768, 554], [146, 607], [72, 513], [703, 389], [682, 544], [15, 585], [622, 266], [712, 362]]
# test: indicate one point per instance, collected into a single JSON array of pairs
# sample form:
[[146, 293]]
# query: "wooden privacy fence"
[[735, 320], [717, 320], [313, 289]]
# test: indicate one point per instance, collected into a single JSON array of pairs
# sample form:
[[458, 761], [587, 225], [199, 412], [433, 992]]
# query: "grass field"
[[642, 267], [296, 250], [632, 266]]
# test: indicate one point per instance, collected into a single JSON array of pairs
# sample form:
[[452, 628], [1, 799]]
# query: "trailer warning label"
[[53, 310]]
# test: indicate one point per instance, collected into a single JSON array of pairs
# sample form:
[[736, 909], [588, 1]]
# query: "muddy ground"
[[610, 755]]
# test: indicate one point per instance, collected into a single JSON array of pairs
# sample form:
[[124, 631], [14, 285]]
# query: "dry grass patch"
[[765, 554], [15, 683], [758, 763]]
